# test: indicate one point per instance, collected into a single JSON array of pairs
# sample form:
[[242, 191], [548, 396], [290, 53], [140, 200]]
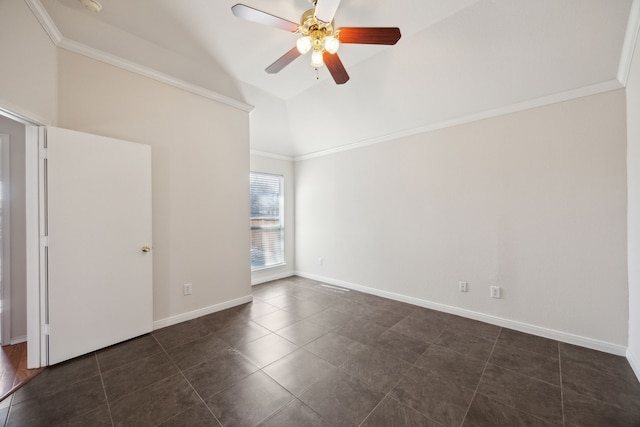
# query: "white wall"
[[534, 202], [269, 129], [28, 74], [284, 167], [462, 72], [200, 155], [18, 252], [633, 215]]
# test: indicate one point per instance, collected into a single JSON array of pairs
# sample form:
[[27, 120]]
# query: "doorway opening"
[[19, 244], [13, 255]]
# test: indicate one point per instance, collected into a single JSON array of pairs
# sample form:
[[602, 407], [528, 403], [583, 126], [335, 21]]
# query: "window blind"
[[267, 231]]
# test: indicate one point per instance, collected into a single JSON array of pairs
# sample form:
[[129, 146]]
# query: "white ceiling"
[[456, 59]]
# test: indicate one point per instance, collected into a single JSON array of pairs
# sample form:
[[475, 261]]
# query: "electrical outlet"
[[320, 261], [186, 289], [462, 286], [495, 291]]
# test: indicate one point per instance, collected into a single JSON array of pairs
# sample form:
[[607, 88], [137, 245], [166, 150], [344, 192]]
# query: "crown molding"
[[630, 40], [45, 20], [124, 64], [60, 41], [514, 108], [271, 155]]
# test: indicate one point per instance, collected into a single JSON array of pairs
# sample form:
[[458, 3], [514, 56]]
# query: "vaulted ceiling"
[[456, 60]]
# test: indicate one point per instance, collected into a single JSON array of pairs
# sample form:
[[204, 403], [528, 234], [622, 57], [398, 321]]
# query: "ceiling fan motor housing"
[[309, 24]]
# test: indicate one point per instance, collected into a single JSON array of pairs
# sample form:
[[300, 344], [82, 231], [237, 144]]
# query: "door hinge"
[[45, 329], [44, 153], [44, 241]]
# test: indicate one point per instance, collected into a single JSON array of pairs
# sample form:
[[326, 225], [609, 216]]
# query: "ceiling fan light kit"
[[318, 36], [304, 44]]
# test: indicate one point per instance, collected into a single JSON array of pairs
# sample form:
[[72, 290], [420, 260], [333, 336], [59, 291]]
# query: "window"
[[267, 231]]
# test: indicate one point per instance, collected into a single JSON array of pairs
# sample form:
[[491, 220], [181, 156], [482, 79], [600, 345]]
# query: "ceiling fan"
[[319, 36]]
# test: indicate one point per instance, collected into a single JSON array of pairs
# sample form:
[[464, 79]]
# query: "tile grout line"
[[527, 376], [564, 421], [235, 350], [413, 365], [190, 385], [475, 392], [104, 388], [395, 399], [128, 363], [153, 333], [261, 369], [299, 347], [282, 407], [10, 407], [518, 373], [390, 390]]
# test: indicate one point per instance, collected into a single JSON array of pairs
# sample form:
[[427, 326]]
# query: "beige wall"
[[28, 72], [633, 216], [534, 202], [260, 163], [200, 155], [18, 237], [28, 87]]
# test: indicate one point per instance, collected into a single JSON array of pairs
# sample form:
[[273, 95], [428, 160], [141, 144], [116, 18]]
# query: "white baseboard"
[[634, 362], [263, 278], [168, 321], [566, 337], [18, 340]]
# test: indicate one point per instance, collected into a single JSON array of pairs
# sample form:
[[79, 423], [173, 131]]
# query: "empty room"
[[320, 213]]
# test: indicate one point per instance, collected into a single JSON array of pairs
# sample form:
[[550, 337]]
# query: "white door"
[[99, 286]]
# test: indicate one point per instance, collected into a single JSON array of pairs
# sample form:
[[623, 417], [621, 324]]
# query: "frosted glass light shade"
[[331, 44], [304, 44], [316, 59]]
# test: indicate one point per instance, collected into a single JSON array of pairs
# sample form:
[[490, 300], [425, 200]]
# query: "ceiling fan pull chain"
[[317, 76]]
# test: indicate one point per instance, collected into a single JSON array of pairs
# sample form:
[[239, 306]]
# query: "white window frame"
[[281, 227]]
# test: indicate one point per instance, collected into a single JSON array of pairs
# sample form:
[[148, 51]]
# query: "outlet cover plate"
[[186, 290], [495, 291]]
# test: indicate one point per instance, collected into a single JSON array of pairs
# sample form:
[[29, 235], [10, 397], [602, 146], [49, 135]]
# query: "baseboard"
[[494, 320], [168, 321], [263, 278], [18, 340], [635, 364]]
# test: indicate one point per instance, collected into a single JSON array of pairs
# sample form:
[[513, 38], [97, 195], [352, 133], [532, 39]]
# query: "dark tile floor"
[[306, 355]]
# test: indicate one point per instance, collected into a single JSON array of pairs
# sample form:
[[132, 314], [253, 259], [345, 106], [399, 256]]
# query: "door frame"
[[34, 135], [37, 354], [5, 319]]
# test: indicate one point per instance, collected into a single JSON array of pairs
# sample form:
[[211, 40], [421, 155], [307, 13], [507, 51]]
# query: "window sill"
[[271, 267]]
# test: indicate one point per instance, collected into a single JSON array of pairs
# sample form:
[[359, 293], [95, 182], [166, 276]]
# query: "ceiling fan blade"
[[326, 10], [264, 18], [335, 67], [283, 61], [369, 35]]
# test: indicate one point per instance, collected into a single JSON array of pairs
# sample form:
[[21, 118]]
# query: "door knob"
[[146, 249]]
